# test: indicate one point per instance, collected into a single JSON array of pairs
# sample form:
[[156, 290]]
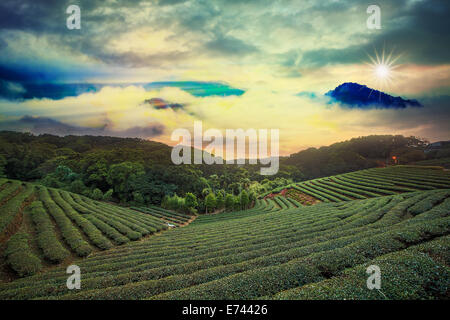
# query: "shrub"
[[97, 194], [108, 196], [190, 202], [46, 236], [11, 208], [244, 199], [210, 202], [229, 202], [20, 257], [428, 202], [88, 228], [78, 186], [70, 234]]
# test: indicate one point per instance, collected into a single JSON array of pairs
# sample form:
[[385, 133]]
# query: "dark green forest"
[[140, 172]]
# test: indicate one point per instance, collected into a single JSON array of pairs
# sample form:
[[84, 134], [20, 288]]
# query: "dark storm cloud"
[[418, 31], [41, 125], [425, 38], [204, 17], [49, 17], [46, 15], [29, 15]]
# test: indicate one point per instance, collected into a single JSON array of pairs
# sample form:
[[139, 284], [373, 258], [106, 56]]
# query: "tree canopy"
[[141, 172]]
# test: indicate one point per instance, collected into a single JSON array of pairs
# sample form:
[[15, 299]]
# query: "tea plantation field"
[[370, 183], [41, 227], [395, 218]]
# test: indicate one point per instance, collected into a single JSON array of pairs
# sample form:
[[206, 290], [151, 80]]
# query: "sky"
[[145, 68]]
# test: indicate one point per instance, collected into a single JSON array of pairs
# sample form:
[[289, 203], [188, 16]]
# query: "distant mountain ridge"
[[355, 95]]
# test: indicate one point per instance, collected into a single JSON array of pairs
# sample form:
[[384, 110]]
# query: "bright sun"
[[383, 68], [382, 71]]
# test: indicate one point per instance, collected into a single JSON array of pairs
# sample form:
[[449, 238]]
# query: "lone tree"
[[210, 202], [220, 201], [244, 199], [190, 201], [229, 202]]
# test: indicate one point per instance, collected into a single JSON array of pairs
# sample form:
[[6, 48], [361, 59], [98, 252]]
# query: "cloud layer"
[[42, 125], [229, 63]]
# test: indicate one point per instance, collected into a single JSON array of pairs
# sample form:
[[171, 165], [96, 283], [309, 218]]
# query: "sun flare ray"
[[383, 68]]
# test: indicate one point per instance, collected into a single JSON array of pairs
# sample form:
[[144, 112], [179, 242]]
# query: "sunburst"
[[383, 68]]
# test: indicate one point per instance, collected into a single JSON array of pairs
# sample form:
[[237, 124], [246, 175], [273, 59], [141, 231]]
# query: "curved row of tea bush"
[[442, 162], [159, 215], [261, 206], [11, 208], [61, 223], [71, 234], [20, 257], [180, 216], [64, 200], [418, 272], [46, 236], [373, 183], [8, 188], [253, 253]]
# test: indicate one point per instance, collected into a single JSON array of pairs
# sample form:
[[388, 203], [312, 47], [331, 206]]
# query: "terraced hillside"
[[275, 253], [279, 249], [41, 227], [172, 218], [368, 183], [443, 162]]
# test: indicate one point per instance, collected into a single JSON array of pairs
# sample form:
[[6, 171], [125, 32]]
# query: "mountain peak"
[[356, 95]]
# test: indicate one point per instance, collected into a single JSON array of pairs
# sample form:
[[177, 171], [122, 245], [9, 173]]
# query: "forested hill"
[[125, 170], [141, 172], [361, 153], [47, 146]]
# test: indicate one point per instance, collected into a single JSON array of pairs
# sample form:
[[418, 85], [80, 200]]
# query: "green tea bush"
[[19, 256], [46, 237], [429, 202], [94, 235], [11, 208], [68, 231], [413, 274], [265, 251], [351, 192], [9, 188], [108, 230]]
